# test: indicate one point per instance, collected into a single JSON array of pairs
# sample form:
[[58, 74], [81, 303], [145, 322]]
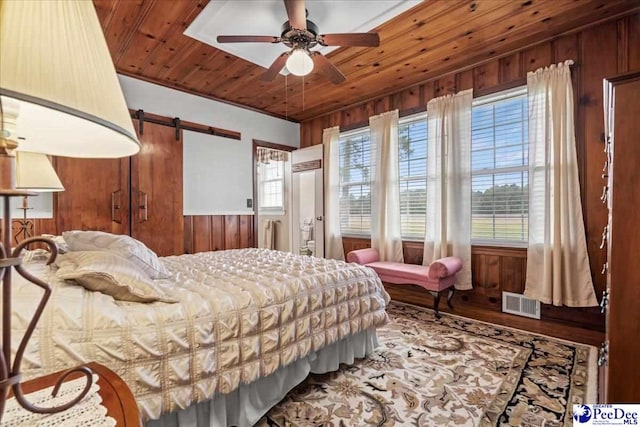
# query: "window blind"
[[355, 182], [412, 157], [499, 160]]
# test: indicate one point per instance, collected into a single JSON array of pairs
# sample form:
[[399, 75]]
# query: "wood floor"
[[417, 296]]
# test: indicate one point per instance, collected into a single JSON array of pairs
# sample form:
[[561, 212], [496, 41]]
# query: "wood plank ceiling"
[[436, 37]]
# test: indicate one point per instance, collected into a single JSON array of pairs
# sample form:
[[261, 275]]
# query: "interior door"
[[308, 201], [96, 195], [156, 190]]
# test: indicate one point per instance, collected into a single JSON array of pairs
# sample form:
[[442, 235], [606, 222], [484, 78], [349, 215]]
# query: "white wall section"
[[217, 171]]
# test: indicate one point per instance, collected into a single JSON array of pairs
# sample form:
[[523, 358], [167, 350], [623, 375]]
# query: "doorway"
[[308, 202], [272, 195]]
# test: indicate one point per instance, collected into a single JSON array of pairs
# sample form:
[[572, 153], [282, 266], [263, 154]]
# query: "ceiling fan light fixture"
[[299, 63]]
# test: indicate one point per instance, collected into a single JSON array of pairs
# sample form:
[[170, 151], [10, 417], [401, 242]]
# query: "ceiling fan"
[[301, 35]]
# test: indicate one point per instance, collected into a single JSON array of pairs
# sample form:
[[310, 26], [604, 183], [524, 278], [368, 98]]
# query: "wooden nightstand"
[[116, 396]]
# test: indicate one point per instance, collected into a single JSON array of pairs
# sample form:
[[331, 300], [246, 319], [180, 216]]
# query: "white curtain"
[[385, 188], [558, 270], [332, 237], [448, 220]]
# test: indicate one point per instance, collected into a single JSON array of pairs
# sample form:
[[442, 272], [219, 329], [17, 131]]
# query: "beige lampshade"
[[55, 63], [35, 172]]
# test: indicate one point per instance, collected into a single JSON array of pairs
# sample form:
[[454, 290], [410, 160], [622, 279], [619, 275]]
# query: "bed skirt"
[[247, 404]]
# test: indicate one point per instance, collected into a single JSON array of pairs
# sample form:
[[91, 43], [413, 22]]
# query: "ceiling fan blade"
[[327, 68], [275, 68], [248, 39], [296, 13], [350, 39]]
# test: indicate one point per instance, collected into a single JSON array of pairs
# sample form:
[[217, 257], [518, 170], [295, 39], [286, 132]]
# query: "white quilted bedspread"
[[242, 314]]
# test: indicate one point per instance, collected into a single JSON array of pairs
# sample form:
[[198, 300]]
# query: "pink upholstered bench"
[[437, 277]]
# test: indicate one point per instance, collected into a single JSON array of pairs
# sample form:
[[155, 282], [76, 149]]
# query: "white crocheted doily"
[[88, 412]]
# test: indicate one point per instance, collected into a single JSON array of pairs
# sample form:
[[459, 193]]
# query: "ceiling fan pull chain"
[[286, 93]]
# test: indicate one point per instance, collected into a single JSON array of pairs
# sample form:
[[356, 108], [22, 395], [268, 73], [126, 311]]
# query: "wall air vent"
[[520, 305]]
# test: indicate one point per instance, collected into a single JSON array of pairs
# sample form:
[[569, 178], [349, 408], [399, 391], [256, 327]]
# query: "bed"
[[247, 326]]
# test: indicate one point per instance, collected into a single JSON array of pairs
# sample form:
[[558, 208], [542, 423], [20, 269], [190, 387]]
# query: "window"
[[499, 163], [355, 182], [412, 156], [271, 184]]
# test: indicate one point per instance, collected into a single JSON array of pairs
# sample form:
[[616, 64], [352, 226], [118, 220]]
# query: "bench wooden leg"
[[436, 302], [450, 297]]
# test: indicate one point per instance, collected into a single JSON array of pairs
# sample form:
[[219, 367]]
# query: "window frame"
[[483, 100]]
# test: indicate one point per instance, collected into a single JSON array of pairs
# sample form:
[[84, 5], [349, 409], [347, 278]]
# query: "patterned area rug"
[[452, 372]]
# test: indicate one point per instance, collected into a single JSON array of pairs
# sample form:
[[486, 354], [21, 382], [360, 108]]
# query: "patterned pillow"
[[110, 274], [125, 246]]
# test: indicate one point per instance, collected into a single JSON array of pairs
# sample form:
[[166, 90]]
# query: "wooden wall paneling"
[[381, 105], [567, 47], [633, 32], [413, 252], [513, 273], [305, 136], [486, 275], [218, 232], [464, 80], [485, 76], [188, 235], [353, 244], [429, 91], [411, 99], [217, 235], [623, 45], [540, 55], [445, 85], [202, 229], [246, 231], [396, 101], [599, 53], [231, 232], [45, 225], [336, 118], [94, 188], [511, 68], [156, 190]]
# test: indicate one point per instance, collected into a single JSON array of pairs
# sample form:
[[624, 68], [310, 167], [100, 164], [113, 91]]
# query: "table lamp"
[[60, 95], [34, 172]]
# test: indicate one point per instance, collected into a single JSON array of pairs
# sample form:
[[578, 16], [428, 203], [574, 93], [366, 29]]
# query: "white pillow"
[[59, 241], [110, 274], [120, 244]]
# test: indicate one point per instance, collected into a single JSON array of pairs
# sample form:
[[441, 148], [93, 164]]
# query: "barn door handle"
[[142, 206], [116, 206]]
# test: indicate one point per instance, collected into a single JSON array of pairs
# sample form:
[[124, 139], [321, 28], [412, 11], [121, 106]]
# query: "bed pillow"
[[111, 274], [59, 241], [125, 246]]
